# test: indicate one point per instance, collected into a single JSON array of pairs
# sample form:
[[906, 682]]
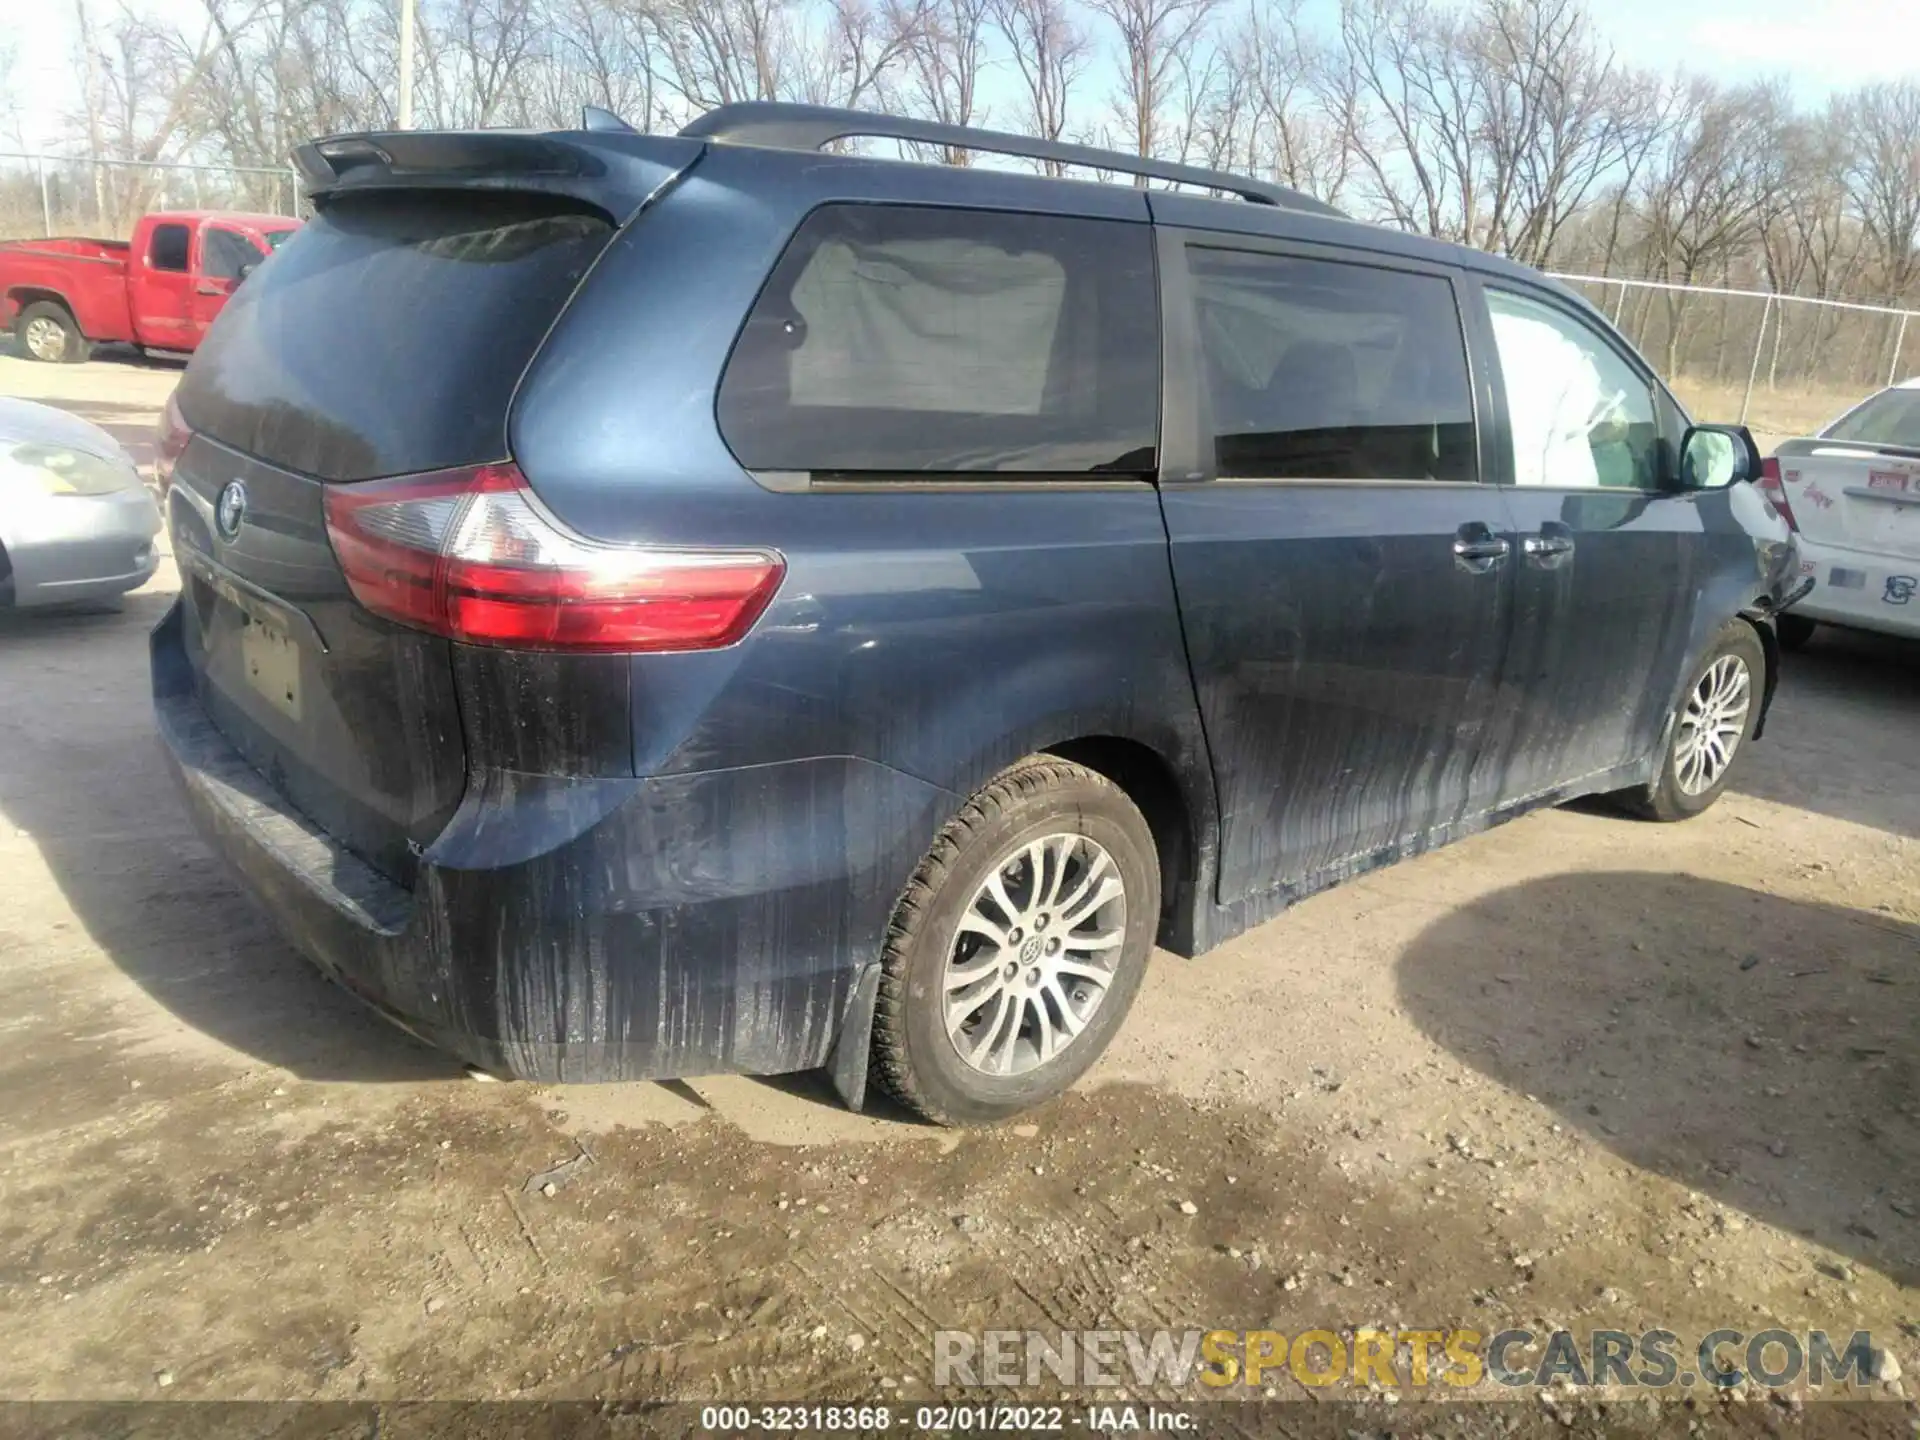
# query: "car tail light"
[[171, 439], [1775, 489], [471, 555]]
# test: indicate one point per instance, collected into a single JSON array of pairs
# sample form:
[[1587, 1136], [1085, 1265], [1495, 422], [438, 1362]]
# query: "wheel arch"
[[1759, 616], [1151, 782], [24, 295]]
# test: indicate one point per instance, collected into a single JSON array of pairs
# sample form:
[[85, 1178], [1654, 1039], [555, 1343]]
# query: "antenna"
[[592, 117]]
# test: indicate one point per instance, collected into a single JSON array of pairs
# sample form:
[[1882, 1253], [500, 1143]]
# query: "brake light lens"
[[170, 440], [1775, 489], [471, 555]]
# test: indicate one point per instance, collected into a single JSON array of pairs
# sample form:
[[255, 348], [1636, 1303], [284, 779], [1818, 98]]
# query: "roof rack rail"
[[777, 125]]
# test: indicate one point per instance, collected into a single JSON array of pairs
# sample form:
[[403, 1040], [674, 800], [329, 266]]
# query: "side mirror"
[[247, 267], [1712, 457]]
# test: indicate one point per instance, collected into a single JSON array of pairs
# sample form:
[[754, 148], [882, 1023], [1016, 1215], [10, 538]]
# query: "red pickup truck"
[[158, 291]]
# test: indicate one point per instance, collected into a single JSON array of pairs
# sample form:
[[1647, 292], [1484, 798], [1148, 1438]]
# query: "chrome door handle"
[[1550, 548], [1476, 550]]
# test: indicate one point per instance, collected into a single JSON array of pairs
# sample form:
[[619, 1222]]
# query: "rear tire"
[[1022, 939], [1710, 728], [1794, 630], [46, 331]]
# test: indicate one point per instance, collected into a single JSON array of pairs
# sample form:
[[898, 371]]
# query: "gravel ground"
[[1578, 1071]]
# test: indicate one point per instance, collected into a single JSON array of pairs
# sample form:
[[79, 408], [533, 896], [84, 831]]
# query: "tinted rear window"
[[388, 333], [169, 248], [1330, 371], [906, 340], [1890, 418]]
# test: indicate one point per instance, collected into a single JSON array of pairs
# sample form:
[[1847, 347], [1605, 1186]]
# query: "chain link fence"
[[1783, 364], [43, 195]]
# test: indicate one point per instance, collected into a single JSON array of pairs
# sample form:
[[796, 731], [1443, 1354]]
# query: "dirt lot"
[[1578, 1071]]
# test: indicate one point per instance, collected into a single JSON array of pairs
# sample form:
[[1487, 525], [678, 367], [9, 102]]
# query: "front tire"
[[1710, 727], [47, 332], [1019, 945]]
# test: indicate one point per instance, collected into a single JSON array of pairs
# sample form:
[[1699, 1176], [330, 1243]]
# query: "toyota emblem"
[[230, 509]]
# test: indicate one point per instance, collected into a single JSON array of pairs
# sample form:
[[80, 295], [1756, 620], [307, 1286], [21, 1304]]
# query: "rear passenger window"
[[168, 249], [1321, 370], [891, 339]]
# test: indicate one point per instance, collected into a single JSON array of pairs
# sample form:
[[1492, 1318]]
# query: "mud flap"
[[847, 1065]]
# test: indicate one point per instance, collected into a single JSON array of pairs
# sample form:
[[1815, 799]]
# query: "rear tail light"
[[469, 554], [171, 438], [1775, 489]]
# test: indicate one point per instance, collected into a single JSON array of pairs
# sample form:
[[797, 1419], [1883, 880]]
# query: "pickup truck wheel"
[[1018, 946], [47, 332]]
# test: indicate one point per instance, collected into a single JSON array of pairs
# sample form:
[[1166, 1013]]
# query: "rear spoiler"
[[611, 171]]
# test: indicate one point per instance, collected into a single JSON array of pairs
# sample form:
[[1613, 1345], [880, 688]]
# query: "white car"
[[1853, 493]]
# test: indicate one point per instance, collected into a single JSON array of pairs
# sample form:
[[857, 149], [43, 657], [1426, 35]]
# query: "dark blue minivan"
[[654, 605]]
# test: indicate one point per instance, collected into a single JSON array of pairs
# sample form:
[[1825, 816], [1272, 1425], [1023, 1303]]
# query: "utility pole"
[[406, 64]]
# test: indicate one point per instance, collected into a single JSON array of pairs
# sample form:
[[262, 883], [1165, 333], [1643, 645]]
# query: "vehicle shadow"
[[83, 778], [1759, 1049], [1841, 738]]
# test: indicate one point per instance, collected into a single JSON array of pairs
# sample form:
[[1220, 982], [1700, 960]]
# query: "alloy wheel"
[[1033, 955], [1712, 725]]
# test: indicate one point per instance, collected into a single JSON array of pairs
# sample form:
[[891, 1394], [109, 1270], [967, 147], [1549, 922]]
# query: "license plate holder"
[[271, 661]]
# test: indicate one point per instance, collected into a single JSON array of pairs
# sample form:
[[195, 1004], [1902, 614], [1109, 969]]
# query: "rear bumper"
[[582, 929], [1860, 588]]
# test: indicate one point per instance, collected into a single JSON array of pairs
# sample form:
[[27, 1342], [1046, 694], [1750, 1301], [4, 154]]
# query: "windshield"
[[276, 238], [1890, 418]]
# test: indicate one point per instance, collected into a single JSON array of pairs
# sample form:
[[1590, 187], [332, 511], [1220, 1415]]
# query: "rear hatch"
[[1858, 484], [385, 339]]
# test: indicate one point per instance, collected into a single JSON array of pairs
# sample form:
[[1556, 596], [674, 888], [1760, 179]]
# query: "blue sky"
[[1823, 45]]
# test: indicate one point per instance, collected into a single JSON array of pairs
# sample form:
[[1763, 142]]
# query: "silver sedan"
[[76, 521]]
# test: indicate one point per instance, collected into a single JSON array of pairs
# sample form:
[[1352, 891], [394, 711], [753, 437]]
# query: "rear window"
[[1890, 418], [892, 339], [389, 332], [168, 249]]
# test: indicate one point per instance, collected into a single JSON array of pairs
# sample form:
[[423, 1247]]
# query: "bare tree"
[[1272, 100], [1559, 119], [1051, 52], [717, 52], [943, 56], [1399, 72], [848, 58], [1157, 38], [600, 53], [1714, 178], [1884, 131]]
